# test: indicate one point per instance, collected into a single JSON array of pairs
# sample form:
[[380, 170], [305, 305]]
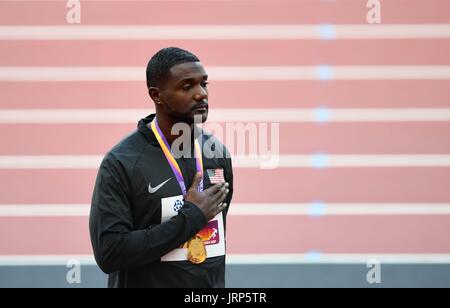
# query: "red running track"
[[295, 138], [256, 234], [376, 185], [234, 94], [247, 234], [238, 52], [223, 12]]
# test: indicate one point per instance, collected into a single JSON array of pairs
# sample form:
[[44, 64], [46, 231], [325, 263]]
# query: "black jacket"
[[128, 233]]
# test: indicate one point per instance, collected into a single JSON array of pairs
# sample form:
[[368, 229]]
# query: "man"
[[158, 220]]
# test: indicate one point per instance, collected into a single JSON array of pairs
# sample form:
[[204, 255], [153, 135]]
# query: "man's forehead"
[[187, 70]]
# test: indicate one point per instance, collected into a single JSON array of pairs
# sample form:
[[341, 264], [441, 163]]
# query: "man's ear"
[[155, 93]]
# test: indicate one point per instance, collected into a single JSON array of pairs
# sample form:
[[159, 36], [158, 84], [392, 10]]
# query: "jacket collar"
[[145, 130]]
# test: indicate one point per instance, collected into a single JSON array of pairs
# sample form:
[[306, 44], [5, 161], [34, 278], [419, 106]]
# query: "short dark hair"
[[160, 64]]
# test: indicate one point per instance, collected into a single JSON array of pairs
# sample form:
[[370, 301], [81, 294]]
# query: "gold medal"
[[196, 250]]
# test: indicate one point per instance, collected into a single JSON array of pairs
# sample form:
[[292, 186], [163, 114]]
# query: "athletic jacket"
[[139, 220]]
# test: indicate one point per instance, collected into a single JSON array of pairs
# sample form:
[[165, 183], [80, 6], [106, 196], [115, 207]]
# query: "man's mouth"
[[201, 108]]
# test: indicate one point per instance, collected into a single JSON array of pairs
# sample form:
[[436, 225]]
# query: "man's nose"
[[200, 94]]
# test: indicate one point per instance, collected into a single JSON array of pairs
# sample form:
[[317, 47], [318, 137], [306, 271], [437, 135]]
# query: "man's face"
[[185, 93]]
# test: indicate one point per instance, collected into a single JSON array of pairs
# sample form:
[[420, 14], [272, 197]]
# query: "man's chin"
[[200, 118]]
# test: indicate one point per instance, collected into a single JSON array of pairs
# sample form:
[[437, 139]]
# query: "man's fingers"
[[216, 187], [220, 195], [216, 210], [221, 207], [221, 200]]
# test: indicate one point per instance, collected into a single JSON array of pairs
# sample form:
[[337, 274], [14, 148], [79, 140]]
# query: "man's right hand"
[[209, 201]]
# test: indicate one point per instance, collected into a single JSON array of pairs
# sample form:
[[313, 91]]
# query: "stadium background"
[[364, 113]]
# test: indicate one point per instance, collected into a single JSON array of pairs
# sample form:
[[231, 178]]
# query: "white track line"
[[237, 73], [284, 115], [246, 259], [253, 209], [269, 162], [341, 209], [317, 258], [226, 32], [44, 210]]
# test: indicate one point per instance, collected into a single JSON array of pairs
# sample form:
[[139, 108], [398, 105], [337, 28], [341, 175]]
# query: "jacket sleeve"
[[116, 245]]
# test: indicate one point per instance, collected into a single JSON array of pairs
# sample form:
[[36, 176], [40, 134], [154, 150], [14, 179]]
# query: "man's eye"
[[187, 87], [205, 84]]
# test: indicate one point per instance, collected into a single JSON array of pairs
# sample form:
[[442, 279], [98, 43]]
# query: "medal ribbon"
[[171, 160]]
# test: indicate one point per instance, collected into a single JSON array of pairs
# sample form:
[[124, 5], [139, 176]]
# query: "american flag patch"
[[215, 175]]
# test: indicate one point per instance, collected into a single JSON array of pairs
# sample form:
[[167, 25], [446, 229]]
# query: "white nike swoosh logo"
[[152, 190]]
